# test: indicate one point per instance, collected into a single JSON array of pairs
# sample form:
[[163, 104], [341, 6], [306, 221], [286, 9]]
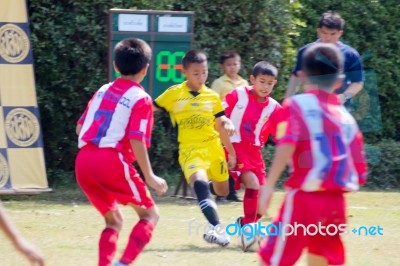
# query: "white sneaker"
[[214, 237]]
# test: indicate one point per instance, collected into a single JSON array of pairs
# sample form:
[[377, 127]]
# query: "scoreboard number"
[[168, 66]]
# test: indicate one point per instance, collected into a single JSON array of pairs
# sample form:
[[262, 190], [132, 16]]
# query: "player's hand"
[[30, 252], [231, 162], [229, 127], [158, 184]]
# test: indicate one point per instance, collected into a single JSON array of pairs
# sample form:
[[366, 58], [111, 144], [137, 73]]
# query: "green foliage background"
[[69, 41]]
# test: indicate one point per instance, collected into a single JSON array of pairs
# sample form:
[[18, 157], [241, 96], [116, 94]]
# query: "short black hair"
[[227, 55], [322, 64], [131, 55], [193, 56], [265, 68], [331, 20]]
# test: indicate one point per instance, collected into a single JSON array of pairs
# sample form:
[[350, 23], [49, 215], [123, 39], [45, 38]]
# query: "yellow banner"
[[22, 166]]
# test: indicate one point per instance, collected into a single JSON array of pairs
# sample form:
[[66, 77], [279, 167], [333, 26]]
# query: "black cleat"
[[234, 198]]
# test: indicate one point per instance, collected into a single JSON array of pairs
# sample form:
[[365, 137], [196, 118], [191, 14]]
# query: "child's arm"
[[83, 116], [283, 153], [227, 144], [225, 124], [287, 132], [78, 129], [156, 107], [294, 82], [155, 182], [20, 243], [359, 159]]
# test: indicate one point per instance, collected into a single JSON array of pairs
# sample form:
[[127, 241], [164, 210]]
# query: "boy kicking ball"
[[197, 111], [323, 145], [254, 113]]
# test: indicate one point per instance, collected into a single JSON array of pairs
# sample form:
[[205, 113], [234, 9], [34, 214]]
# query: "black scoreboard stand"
[[170, 35]]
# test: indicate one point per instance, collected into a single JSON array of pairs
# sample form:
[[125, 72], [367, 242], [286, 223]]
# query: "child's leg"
[[201, 188], [221, 188], [208, 206], [141, 233], [281, 247], [109, 237], [250, 199], [232, 196], [315, 260], [91, 171]]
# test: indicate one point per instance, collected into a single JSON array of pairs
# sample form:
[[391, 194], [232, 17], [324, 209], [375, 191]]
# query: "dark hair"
[[131, 56], [264, 68], [331, 20], [193, 56], [227, 55], [322, 64]]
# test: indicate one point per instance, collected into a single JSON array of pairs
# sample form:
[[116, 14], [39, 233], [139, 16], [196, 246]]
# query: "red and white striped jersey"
[[329, 149], [118, 111], [253, 120]]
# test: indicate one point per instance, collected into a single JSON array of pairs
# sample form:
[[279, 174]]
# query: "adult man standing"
[[330, 29]]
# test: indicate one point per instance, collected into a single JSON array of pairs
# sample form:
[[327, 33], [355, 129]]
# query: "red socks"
[[250, 205], [107, 246], [139, 237]]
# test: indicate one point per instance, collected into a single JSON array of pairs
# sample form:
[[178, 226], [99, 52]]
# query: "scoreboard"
[[169, 34]]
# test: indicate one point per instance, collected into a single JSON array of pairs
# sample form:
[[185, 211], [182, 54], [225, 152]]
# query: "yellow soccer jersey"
[[194, 113], [224, 85]]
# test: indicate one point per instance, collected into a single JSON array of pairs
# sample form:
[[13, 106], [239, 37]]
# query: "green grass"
[[66, 228]]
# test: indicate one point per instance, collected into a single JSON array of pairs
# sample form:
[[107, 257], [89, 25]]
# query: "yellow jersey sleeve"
[[165, 100], [218, 107]]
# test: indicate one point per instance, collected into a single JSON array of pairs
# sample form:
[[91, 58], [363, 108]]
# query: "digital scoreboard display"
[[169, 34]]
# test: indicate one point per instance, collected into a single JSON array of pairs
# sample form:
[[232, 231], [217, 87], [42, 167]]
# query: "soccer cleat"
[[233, 197], [213, 237]]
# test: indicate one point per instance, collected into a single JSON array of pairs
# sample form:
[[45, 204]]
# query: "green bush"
[[256, 29], [383, 164], [69, 40], [69, 48], [70, 51], [164, 148]]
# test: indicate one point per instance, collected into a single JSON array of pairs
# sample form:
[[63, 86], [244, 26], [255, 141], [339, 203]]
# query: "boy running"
[[114, 131], [254, 114], [323, 145], [197, 111]]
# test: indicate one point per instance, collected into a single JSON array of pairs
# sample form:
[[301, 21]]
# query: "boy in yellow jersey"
[[198, 112]]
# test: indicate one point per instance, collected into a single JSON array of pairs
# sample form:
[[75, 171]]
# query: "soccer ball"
[[249, 241]]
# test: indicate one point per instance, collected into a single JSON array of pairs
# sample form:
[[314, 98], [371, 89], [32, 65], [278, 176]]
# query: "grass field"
[[66, 229]]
